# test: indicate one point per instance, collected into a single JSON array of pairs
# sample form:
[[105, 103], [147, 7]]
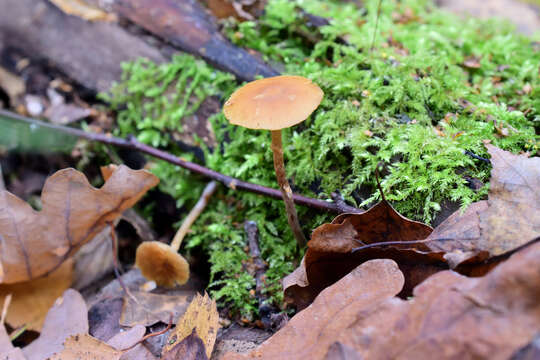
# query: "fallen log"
[[187, 25], [91, 52], [88, 52]]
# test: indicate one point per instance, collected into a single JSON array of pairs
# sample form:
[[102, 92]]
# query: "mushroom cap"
[[273, 103], [161, 263]]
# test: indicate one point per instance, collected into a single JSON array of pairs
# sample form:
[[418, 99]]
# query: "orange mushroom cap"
[[161, 263], [273, 103]]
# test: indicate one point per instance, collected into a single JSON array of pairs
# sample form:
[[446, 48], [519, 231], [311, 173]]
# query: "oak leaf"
[[449, 317], [195, 333], [153, 308], [34, 243], [509, 219], [31, 300], [312, 331], [65, 336], [329, 256]]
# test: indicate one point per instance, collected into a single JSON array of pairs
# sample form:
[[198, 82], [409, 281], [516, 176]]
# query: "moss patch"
[[433, 88]]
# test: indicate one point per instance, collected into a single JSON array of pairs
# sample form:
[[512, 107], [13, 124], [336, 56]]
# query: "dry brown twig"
[[229, 181]]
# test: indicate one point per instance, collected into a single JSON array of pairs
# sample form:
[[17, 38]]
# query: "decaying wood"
[[88, 52], [187, 25], [91, 52]]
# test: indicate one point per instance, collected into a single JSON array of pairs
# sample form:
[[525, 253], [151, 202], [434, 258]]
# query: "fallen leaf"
[[93, 260], [68, 317], [199, 323], [7, 350], [190, 348], [32, 299], [310, 333], [85, 347], [510, 218], [153, 308], [472, 62], [83, 10], [73, 213], [329, 256], [449, 317], [65, 336], [104, 318], [126, 339], [12, 85], [64, 114], [240, 9]]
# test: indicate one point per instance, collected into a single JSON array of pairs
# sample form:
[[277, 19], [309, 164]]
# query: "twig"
[[252, 232], [5, 307], [390, 243], [2, 183], [342, 205], [133, 144], [474, 156], [169, 326], [377, 177], [114, 241], [376, 26], [193, 214], [271, 318]]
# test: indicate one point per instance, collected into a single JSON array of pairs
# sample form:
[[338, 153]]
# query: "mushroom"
[[274, 104], [161, 262]]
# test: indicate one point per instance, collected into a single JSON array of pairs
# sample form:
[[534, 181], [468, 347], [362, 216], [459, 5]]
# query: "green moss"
[[410, 104]]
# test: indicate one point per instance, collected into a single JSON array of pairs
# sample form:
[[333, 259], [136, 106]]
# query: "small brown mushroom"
[[273, 104], [161, 262]]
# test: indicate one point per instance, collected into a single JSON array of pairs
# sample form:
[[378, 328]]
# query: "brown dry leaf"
[[510, 218], [12, 84], [153, 308], [36, 242], [200, 322], [107, 171], [85, 347], [128, 338], [32, 299], [66, 113], [450, 317], [83, 10], [312, 331], [240, 9], [329, 255], [7, 350], [68, 317], [191, 348], [472, 62]]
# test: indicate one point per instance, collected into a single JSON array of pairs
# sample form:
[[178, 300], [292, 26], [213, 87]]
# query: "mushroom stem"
[[193, 215], [279, 166]]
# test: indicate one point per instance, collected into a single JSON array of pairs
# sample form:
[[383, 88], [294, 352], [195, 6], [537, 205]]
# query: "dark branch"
[[233, 183]]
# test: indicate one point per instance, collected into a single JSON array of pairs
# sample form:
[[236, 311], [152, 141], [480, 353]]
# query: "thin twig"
[[474, 156], [252, 233], [114, 241], [193, 214], [377, 177], [2, 183], [342, 205], [390, 243], [133, 144], [376, 26], [169, 326], [5, 307]]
